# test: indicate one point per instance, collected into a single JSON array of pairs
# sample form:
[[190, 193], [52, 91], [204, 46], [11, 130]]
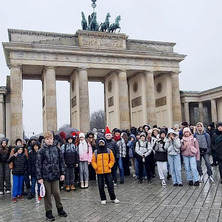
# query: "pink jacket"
[[86, 154], [187, 143]]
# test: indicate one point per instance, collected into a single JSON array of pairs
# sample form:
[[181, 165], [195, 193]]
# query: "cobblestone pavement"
[[138, 202]]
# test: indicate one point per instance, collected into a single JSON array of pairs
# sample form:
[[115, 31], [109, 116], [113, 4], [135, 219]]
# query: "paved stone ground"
[[139, 202]]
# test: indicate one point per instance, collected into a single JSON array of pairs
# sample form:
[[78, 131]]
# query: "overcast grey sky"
[[194, 25]]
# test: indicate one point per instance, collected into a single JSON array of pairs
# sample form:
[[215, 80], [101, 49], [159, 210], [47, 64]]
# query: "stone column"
[[49, 100], [150, 99], [176, 104], [201, 114], [2, 115], [214, 110], [16, 103], [84, 100], [123, 100], [187, 112]]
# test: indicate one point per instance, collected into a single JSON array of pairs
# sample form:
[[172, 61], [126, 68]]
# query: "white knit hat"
[[81, 135]]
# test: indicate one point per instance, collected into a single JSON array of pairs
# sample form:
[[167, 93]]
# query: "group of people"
[[77, 157]]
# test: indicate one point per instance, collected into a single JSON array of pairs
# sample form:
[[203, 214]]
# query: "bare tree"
[[97, 120]]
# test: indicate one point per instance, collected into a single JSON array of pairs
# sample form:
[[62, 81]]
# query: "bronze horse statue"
[[113, 27], [83, 22], [93, 25], [105, 25]]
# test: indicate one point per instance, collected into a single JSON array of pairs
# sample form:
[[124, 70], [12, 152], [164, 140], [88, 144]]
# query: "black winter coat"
[[217, 144], [32, 163], [19, 164], [160, 151], [4, 154], [50, 163], [70, 154], [112, 145]]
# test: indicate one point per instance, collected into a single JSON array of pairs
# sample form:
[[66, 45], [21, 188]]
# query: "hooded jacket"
[[103, 159], [217, 144], [19, 163], [172, 146], [50, 163], [203, 139], [143, 148]]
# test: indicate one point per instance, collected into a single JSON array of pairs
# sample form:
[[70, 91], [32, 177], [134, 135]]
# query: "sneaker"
[[211, 179], [61, 212], [121, 181], [180, 184], [8, 191], [115, 201], [73, 188], [1, 192], [191, 182], [168, 176], [105, 186], [39, 199], [140, 181], [175, 184], [115, 185], [103, 202], [196, 183], [30, 196], [164, 183], [134, 175], [14, 200], [149, 181], [67, 188], [201, 179], [20, 197], [49, 216]]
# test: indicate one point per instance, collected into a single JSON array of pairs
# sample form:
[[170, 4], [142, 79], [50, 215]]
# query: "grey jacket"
[[204, 140], [173, 146], [143, 148]]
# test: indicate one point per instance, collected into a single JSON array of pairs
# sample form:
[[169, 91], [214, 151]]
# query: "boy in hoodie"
[[71, 158], [50, 168], [103, 161], [19, 160], [4, 167], [35, 146], [204, 142]]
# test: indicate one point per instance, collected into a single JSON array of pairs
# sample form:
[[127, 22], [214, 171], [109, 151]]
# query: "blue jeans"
[[70, 176], [121, 170], [17, 185], [190, 165], [34, 181], [175, 168], [137, 168]]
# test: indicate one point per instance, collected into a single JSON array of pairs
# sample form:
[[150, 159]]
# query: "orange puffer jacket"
[[103, 162]]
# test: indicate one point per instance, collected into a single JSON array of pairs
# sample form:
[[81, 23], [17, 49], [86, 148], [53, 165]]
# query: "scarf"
[[117, 138], [83, 147]]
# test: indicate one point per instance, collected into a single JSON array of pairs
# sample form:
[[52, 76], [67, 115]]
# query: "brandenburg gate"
[[141, 78]]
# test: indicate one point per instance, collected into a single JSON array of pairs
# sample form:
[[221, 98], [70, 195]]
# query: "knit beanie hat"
[[186, 129], [81, 135], [107, 132]]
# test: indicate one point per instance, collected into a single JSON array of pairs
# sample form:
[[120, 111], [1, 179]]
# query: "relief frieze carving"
[[106, 59]]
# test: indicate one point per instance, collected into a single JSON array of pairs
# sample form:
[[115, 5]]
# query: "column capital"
[[149, 72], [82, 68], [175, 73], [50, 67], [11, 66], [122, 70]]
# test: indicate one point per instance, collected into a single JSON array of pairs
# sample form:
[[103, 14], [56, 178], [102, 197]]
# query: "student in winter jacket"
[[173, 149], [211, 130], [131, 146], [143, 150], [103, 161], [161, 156], [19, 160], [204, 142], [50, 168], [122, 152], [4, 167], [217, 146], [112, 145], [191, 154], [85, 157], [35, 146], [71, 157]]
